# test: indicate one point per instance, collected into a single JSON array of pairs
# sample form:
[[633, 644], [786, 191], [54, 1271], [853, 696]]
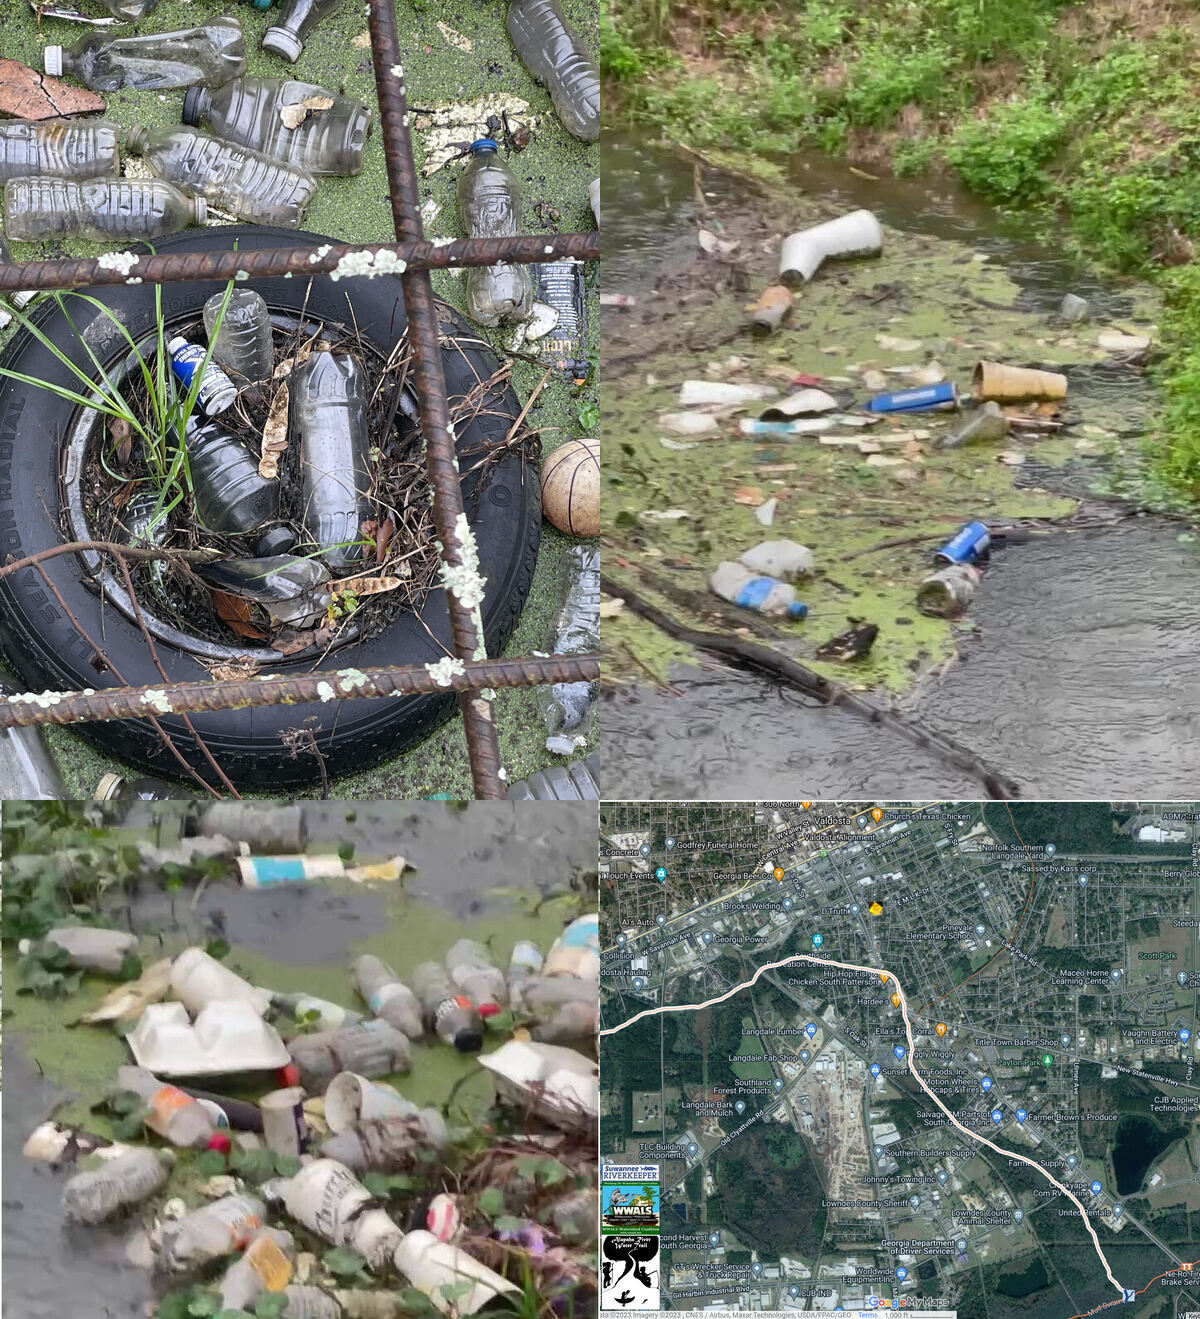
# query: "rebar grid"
[[470, 673]]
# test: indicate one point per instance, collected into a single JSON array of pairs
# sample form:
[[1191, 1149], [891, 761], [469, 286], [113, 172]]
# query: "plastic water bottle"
[[566, 706], [248, 111], [523, 965], [329, 411], [293, 591], [474, 974], [372, 1048], [748, 590], [216, 392], [388, 996], [231, 497], [328, 1016], [234, 179], [287, 37], [574, 781], [387, 1143], [489, 205], [244, 346], [211, 54], [208, 1233], [555, 56], [99, 209], [92, 1197], [265, 1267], [131, 10], [174, 1115], [311, 1303], [451, 1016], [67, 150]]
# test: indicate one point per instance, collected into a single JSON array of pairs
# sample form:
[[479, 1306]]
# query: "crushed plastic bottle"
[[91, 949], [244, 346], [174, 1115], [258, 112], [387, 1144], [566, 707], [474, 974], [451, 1016], [750, 590], [130, 10], [552, 52], [287, 37], [128, 210], [323, 1013], [207, 1233], [59, 147], [388, 996], [234, 179], [120, 1183], [329, 412], [231, 498], [211, 55], [372, 1048], [266, 1266], [575, 781], [216, 392], [489, 205], [293, 591]]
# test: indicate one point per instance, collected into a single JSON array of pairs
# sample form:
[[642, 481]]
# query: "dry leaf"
[[294, 115], [274, 439], [367, 585], [234, 672], [235, 611], [291, 640], [455, 38], [285, 368], [383, 535], [119, 429], [611, 608], [362, 41], [130, 1000], [748, 494]]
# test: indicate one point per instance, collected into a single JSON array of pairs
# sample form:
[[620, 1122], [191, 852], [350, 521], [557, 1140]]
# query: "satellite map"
[[938, 1057]]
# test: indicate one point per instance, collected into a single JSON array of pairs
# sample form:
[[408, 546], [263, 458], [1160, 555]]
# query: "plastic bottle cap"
[[488, 1009], [108, 787], [195, 103], [175, 344], [797, 610], [484, 144], [221, 1143], [53, 61], [276, 541], [468, 1041], [288, 1076], [281, 41]]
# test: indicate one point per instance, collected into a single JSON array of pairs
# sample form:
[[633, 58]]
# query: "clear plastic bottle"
[[248, 111], [211, 55], [93, 949], [554, 55], [266, 1266], [329, 1016], [127, 210], [388, 996], [131, 10], [329, 412], [387, 1144], [473, 973], [750, 590], [209, 1232], [231, 498], [232, 178], [311, 1303], [244, 345], [566, 706], [287, 37], [523, 965], [92, 1197], [451, 1016], [489, 205], [291, 590], [174, 1115], [372, 1048], [64, 149], [28, 771]]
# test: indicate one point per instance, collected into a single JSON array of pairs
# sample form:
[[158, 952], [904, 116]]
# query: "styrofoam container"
[[350, 1099], [228, 1036], [198, 980], [431, 1265], [697, 393], [557, 1083], [856, 234]]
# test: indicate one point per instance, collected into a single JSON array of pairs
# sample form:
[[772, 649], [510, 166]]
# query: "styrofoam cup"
[[283, 1120], [856, 234], [350, 1099]]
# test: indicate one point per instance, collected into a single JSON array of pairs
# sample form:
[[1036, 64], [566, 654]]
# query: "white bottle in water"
[[750, 590], [217, 392], [172, 1113], [243, 345], [207, 1233], [388, 996], [92, 1197]]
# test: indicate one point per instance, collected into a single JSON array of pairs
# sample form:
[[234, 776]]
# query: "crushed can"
[[968, 544]]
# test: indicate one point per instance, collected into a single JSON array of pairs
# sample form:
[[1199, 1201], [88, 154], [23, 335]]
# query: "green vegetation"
[[1083, 113]]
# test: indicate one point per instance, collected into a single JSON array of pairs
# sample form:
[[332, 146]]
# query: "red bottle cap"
[[488, 1009], [221, 1143], [288, 1076]]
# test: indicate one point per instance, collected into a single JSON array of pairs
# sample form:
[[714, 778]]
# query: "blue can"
[[916, 400], [967, 544]]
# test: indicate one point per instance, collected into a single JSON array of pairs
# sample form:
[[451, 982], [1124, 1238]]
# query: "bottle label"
[[242, 1225], [164, 1104], [756, 590], [268, 1261], [186, 360]]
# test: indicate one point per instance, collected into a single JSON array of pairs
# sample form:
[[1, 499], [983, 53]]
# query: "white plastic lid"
[[53, 61], [175, 344], [281, 41]]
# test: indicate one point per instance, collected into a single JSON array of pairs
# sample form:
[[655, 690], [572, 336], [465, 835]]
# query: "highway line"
[[912, 1067]]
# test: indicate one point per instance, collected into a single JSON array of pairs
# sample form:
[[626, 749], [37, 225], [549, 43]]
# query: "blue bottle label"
[[755, 592]]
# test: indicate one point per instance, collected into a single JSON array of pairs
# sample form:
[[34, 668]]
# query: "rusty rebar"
[[274, 262], [460, 559], [29, 708]]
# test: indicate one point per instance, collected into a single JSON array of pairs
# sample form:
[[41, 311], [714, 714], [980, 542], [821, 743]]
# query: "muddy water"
[[491, 872], [1076, 670]]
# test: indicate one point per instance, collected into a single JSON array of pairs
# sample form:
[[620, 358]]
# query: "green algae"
[[554, 170]]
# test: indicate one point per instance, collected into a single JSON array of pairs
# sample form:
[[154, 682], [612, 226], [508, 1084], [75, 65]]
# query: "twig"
[[109, 547], [537, 389]]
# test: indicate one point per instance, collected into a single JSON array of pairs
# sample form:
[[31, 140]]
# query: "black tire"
[[47, 651]]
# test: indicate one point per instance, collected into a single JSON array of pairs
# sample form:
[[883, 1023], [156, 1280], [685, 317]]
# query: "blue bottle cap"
[[484, 144], [797, 610]]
